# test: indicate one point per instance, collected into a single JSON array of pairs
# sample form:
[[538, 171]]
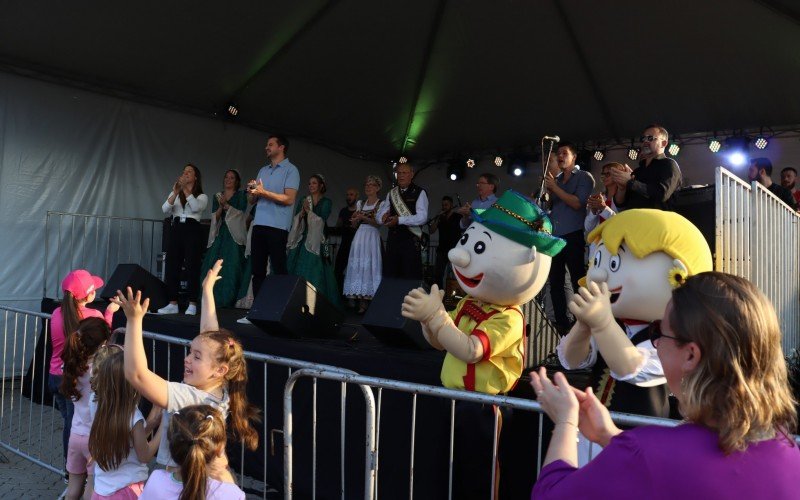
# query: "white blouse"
[[192, 210]]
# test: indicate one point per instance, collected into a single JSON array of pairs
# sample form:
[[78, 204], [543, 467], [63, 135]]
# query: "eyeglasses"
[[483, 183], [648, 138], [656, 333]]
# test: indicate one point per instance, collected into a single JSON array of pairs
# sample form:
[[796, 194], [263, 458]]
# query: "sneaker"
[[191, 310], [169, 309], [244, 321]]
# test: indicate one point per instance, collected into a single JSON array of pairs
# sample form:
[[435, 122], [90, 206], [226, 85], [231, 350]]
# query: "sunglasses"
[[656, 333], [648, 138]]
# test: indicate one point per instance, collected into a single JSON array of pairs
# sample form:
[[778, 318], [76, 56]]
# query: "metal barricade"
[[757, 237], [97, 243]]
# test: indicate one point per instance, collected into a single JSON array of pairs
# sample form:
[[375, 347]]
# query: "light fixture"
[[516, 164], [737, 158], [498, 161], [455, 170], [674, 148], [761, 142], [736, 150], [517, 171], [599, 154], [470, 163], [403, 159], [633, 153], [232, 109], [714, 145]]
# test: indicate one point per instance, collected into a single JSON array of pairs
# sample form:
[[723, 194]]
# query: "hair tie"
[[210, 416]]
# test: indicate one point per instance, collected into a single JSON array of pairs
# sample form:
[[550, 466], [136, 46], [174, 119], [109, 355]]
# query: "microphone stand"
[[544, 196]]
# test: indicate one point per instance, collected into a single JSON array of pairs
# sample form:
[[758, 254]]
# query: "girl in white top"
[[197, 441], [118, 441], [185, 205], [215, 371], [78, 355]]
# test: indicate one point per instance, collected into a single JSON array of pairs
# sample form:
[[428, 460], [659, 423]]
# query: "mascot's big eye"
[[598, 257], [615, 263], [480, 247], [464, 238]]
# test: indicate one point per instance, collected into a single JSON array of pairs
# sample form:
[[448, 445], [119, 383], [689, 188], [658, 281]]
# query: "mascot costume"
[[640, 256], [501, 261]]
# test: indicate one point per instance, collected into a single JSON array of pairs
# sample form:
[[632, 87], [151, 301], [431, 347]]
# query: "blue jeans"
[[65, 406]]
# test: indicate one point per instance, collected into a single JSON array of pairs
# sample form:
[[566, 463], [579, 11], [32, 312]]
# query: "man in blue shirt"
[[274, 191], [487, 194], [569, 191]]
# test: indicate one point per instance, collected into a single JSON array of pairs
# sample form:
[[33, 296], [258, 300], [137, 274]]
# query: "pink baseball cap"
[[80, 283]]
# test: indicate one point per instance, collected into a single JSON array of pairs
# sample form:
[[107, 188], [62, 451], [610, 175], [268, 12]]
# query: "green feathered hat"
[[519, 219]]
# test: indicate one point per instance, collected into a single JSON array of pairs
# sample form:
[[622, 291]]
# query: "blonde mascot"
[[501, 261]]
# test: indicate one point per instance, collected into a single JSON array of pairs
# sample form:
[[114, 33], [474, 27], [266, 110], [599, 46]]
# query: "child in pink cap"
[[79, 288]]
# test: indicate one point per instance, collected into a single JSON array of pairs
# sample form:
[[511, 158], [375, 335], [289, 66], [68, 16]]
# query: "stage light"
[[455, 170], [453, 177], [599, 154], [470, 163], [714, 145], [517, 171], [761, 142], [498, 161], [233, 110], [403, 159], [633, 153], [516, 164], [674, 148], [737, 158]]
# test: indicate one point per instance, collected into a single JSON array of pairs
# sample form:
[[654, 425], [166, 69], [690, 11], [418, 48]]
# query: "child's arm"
[[208, 309], [145, 450], [150, 386]]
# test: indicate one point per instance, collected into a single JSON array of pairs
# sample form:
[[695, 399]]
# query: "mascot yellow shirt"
[[501, 331]]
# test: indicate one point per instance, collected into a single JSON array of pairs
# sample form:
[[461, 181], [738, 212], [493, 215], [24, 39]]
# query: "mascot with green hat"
[[502, 260]]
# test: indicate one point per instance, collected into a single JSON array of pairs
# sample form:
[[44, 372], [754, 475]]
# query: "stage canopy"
[[426, 78]]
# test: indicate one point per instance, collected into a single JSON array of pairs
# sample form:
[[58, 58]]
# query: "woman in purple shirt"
[[720, 344]]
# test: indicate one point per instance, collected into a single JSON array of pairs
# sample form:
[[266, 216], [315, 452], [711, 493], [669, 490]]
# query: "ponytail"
[[242, 412], [196, 436], [80, 347], [70, 312]]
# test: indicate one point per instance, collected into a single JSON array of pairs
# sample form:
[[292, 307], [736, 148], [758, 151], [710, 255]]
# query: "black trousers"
[[185, 243], [267, 243], [571, 258], [342, 256], [474, 435], [403, 255]]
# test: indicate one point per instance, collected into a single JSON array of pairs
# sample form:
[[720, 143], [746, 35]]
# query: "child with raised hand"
[[79, 287], [78, 355], [197, 442], [118, 441], [215, 371]]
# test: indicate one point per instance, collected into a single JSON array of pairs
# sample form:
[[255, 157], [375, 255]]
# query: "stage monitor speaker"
[[137, 278], [383, 318], [699, 206], [289, 306]]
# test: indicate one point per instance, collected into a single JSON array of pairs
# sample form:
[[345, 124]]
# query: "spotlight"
[[403, 159], [599, 154], [517, 171], [737, 159], [232, 109], [516, 164], [714, 145], [470, 163], [674, 148], [633, 153], [455, 170], [498, 161], [736, 149], [761, 142]]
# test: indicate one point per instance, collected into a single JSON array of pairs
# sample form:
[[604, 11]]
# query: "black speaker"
[[383, 318], [137, 278], [289, 306], [699, 206]]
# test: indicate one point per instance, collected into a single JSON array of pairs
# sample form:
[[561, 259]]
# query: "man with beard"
[[761, 171], [788, 180]]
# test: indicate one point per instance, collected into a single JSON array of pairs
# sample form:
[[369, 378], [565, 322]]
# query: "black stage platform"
[[355, 349]]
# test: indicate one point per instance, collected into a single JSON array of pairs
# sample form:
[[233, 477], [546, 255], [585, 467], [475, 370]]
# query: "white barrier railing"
[[758, 238], [97, 243]]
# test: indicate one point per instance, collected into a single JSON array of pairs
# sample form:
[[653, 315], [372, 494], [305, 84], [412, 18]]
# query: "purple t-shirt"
[[680, 462]]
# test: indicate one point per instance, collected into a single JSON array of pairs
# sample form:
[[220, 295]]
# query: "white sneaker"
[[244, 321], [169, 309], [191, 310]]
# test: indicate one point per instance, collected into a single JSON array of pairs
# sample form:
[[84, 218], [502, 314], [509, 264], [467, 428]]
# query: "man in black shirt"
[[761, 171], [448, 224], [347, 234], [654, 182]]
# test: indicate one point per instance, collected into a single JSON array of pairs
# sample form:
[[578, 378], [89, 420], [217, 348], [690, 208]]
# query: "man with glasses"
[[654, 182], [487, 194]]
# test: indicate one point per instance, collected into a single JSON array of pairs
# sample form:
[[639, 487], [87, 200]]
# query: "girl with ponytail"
[[197, 443], [215, 371], [79, 352], [79, 289]]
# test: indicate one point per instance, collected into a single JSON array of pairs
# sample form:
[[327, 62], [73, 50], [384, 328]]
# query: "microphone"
[[553, 138]]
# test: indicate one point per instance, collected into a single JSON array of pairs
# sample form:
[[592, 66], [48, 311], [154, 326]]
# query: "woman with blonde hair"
[[364, 267], [720, 346]]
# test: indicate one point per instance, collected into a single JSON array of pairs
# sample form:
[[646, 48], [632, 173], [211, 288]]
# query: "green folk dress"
[[306, 256]]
